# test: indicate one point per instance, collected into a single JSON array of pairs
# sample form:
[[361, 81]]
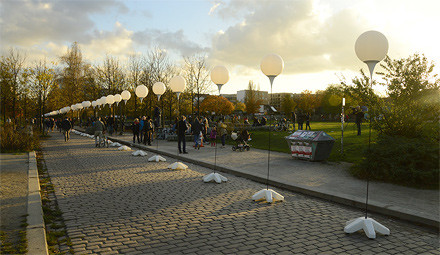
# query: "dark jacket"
[[148, 126], [135, 127], [66, 125], [99, 126], [181, 127], [196, 128]]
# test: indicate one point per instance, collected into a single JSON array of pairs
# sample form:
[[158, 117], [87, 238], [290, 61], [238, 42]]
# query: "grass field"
[[354, 145]]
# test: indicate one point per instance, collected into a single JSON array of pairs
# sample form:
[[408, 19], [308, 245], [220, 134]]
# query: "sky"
[[315, 38]]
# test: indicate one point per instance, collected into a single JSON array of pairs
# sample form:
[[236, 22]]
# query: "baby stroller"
[[241, 141]]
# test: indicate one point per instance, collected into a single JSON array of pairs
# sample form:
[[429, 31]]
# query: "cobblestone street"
[[115, 203]]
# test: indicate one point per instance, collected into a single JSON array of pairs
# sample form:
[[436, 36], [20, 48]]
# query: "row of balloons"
[[271, 65]]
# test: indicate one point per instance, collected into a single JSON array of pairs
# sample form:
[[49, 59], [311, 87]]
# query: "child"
[[213, 136]]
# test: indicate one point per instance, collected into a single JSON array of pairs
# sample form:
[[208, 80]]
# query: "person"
[[308, 121], [213, 136], [141, 127], [148, 131], [205, 127], [110, 123], [359, 116], [223, 133], [300, 119], [181, 130], [196, 129], [66, 125], [135, 129], [99, 128]]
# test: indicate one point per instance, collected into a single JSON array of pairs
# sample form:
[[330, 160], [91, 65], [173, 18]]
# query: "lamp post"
[[158, 89], [272, 65], [94, 104], [141, 92], [371, 47], [79, 107], [220, 76], [86, 104], [178, 84], [118, 99], [342, 125], [125, 95]]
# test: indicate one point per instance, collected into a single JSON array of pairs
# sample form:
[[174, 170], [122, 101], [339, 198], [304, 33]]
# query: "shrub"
[[400, 160], [15, 139]]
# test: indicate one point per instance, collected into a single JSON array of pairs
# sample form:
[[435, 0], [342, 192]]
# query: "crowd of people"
[[204, 130]]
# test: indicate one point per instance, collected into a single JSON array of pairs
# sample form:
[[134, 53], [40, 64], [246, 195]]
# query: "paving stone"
[[117, 203]]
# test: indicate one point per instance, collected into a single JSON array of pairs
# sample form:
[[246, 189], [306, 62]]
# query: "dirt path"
[[13, 193]]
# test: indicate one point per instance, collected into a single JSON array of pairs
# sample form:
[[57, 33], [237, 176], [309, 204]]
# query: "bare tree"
[[72, 80], [42, 78], [197, 79], [11, 72]]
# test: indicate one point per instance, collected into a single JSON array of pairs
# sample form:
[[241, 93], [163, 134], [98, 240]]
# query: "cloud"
[[307, 41], [176, 41], [30, 22], [117, 42]]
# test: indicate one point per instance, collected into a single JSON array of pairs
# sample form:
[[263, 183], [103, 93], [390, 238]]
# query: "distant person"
[[141, 127], [135, 129], [99, 128], [223, 132], [148, 131], [66, 125], [181, 130], [359, 114], [308, 117], [213, 136], [196, 129], [300, 120]]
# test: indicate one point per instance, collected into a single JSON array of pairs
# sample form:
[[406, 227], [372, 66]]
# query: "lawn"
[[354, 145]]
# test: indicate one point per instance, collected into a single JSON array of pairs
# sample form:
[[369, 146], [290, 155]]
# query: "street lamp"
[[158, 89], [342, 125], [371, 47], [272, 65], [141, 91], [220, 76], [118, 99], [178, 84], [125, 95]]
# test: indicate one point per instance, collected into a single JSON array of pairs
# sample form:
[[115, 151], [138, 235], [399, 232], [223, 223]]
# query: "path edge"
[[35, 230]]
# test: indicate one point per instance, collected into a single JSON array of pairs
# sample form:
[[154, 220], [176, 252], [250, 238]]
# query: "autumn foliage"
[[217, 104]]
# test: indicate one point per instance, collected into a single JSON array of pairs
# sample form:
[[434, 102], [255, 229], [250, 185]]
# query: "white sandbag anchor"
[[124, 148], [156, 158], [218, 178], [178, 166], [140, 153], [269, 195]]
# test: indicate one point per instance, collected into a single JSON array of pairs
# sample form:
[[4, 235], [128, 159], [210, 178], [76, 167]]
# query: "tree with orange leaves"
[[217, 104]]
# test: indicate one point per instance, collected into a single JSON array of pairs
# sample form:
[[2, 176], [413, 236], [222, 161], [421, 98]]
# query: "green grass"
[[354, 145]]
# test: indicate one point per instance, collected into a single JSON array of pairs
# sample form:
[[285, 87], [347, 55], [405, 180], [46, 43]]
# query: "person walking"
[[300, 119], [135, 129], [308, 121], [181, 130], [213, 136], [66, 125], [223, 132], [141, 127], [99, 128], [196, 129], [148, 131], [359, 116]]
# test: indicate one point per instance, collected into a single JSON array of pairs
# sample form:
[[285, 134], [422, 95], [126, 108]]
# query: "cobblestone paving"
[[114, 203]]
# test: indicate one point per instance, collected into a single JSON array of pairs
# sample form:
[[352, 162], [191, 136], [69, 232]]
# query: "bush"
[[404, 161], [14, 139]]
